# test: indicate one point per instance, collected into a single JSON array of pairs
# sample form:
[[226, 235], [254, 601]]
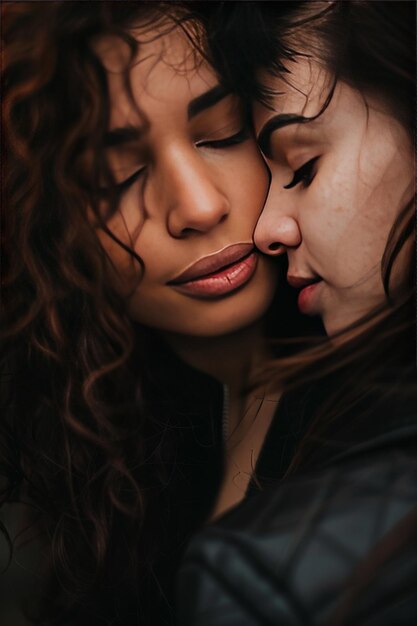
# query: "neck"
[[228, 358]]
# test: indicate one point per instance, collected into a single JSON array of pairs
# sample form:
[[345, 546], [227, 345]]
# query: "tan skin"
[[188, 194]]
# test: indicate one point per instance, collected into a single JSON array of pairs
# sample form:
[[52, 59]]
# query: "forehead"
[[303, 91], [167, 70]]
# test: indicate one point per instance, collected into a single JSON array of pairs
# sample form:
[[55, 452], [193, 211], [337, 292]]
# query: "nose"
[[276, 230], [196, 202]]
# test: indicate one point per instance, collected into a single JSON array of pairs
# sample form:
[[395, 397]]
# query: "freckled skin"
[[192, 200], [337, 226]]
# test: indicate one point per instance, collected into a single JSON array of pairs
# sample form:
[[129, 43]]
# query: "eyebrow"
[[207, 100], [129, 134], [275, 123], [120, 136]]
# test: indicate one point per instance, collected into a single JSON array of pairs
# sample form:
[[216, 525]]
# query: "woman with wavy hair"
[[334, 110], [133, 297]]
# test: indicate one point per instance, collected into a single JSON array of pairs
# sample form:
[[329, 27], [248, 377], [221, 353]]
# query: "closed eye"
[[119, 188], [305, 174], [233, 140], [122, 186]]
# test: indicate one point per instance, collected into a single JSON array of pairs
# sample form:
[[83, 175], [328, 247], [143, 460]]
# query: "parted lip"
[[299, 282], [213, 262]]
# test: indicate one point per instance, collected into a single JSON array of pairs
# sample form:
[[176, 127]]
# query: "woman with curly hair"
[[133, 297]]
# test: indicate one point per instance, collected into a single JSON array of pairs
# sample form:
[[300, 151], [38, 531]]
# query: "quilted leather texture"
[[283, 558]]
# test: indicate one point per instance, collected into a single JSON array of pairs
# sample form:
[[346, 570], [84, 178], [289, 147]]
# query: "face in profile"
[[191, 185], [338, 184]]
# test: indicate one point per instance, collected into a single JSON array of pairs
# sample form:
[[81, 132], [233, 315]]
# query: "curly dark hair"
[[79, 444]]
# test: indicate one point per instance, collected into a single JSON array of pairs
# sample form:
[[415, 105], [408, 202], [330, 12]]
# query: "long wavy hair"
[[75, 424], [369, 369]]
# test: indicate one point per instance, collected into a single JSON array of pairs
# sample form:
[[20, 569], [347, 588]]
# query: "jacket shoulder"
[[285, 556]]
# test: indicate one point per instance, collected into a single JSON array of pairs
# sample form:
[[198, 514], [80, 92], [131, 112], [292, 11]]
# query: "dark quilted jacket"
[[285, 557]]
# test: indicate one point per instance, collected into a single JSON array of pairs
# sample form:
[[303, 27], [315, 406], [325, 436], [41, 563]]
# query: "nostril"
[[274, 246], [185, 232]]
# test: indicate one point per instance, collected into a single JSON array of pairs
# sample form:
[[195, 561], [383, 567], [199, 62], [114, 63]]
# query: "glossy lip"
[[223, 282], [308, 287], [299, 282], [213, 263]]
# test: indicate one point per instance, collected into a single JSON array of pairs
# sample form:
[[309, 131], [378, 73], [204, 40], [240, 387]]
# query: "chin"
[[224, 318], [225, 326], [331, 324], [214, 318], [334, 324]]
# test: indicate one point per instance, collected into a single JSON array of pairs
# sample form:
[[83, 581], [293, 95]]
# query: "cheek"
[[337, 208], [159, 255], [327, 215], [347, 248], [124, 269], [332, 229], [246, 178], [347, 228]]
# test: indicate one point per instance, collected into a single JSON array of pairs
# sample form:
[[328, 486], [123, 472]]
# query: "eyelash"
[[233, 140], [305, 175], [125, 184]]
